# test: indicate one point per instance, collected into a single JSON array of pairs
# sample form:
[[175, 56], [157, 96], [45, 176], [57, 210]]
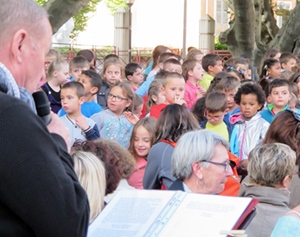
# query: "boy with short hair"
[[279, 96], [212, 64], [173, 90], [91, 82], [79, 126], [215, 109], [134, 74], [287, 61], [172, 65], [77, 65], [243, 67], [229, 85]]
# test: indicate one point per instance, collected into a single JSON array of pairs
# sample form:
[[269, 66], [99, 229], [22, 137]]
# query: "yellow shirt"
[[206, 80], [221, 129]]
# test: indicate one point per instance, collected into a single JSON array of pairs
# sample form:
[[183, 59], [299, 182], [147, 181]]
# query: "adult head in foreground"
[[200, 163], [39, 191], [270, 170]]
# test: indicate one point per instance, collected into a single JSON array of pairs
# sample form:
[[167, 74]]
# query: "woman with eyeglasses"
[[270, 169], [200, 163]]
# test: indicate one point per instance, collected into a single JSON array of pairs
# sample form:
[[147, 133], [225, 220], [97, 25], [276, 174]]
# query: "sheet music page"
[[130, 213], [205, 215]]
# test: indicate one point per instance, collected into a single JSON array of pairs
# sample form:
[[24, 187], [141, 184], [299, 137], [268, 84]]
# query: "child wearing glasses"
[[215, 109], [249, 127], [80, 127], [111, 122]]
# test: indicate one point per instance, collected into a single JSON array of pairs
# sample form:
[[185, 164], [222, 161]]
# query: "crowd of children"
[[147, 111]]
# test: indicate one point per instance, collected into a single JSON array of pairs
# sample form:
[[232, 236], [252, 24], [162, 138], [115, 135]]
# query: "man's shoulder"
[[9, 101]]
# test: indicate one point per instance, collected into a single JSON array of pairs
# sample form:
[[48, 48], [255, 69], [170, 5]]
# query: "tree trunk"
[[240, 37], [60, 11]]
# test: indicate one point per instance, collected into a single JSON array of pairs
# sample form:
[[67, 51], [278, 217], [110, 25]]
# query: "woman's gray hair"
[[269, 164], [16, 14], [194, 146]]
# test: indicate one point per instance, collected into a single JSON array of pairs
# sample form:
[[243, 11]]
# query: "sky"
[[153, 22]]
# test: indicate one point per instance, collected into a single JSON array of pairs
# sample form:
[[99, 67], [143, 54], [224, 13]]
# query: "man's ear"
[[197, 169], [286, 181], [19, 45]]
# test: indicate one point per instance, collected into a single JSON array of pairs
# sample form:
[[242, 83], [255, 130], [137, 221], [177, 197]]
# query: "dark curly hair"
[[249, 88]]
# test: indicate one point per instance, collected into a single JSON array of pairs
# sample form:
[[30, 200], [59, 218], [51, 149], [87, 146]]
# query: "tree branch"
[[268, 18]]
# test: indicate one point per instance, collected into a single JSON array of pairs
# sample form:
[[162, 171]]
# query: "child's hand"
[[132, 118], [180, 101], [82, 122], [200, 93]]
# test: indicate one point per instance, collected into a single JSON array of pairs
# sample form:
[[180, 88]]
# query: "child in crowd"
[[195, 54], [91, 82], [143, 89], [249, 127], [142, 139], [111, 74], [90, 56], [192, 73], [293, 104], [138, 104], [79, 126], [175, 120], [229, 85], [58, 74], [155, 94], [50, 57], [271, 69], [111, 122], [172, 65], [279, 96], [134, 74], [215, 109], [77, 65], [173, 90], [287, 61], [243, 67], [212, 64]]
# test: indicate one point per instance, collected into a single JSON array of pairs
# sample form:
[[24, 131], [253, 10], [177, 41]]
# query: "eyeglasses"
[[209, 117], [226, 164], [115, 97]]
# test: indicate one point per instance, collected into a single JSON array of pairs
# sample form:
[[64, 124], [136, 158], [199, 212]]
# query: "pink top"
[[190, 94], [136, 179]]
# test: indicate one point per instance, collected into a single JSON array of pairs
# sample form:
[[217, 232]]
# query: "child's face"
[[137, 77], [112, 74], [275, 71], [289, 64], [170, 67], [159, 98], [218, 67], [48, 61], [280, 96], [62, 75], [199, 57], [249, 105], [76, 72], [142, 141], [197, 72], [244, 68], [174, 89], [117, 102], [86, 82], [214, 118], [70, 102], [230, 99]]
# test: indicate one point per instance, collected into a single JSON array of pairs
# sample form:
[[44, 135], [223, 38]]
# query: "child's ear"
[[163, 91], [190, 72], [129, 77], [81, 100], [154, 98], [261, 107], [128, 103], [94, 90], [210, 68], [55, 73], [160, 65]]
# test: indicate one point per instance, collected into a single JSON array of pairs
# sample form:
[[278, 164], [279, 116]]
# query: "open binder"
[[171, 213]]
